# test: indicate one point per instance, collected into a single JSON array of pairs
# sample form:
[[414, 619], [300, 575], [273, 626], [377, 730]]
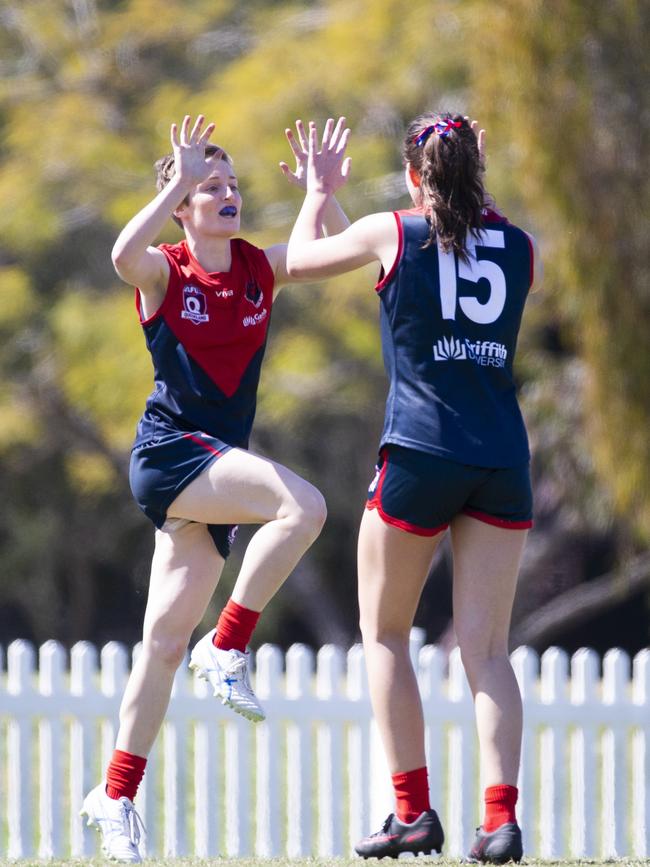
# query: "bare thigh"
[[244, 488], [185, 570], [486, 566], [393, 567]]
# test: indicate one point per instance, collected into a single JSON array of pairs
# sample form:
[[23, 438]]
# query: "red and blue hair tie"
[[440, 127]]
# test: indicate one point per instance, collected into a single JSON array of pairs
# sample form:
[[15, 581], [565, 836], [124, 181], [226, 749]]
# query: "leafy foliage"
[[87, 95]]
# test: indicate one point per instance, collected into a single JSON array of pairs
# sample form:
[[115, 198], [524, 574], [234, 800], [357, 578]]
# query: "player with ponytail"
[[453, 454]]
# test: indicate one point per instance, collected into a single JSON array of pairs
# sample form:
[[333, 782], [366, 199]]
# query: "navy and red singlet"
[[207, 341], [449, 333]]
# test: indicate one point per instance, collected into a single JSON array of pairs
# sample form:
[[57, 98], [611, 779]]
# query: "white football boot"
[[227, 673], [118, 823]]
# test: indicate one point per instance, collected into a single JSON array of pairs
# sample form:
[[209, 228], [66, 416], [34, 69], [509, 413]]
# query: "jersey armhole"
[[138, 296], [384, 278], [255, 262], [531, 252], [266, 265]]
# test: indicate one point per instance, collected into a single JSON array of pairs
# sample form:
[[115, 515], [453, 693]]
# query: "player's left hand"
[[300, 150]]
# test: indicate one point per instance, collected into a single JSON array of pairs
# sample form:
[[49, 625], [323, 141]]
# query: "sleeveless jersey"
[[449, 334], [207, 341]]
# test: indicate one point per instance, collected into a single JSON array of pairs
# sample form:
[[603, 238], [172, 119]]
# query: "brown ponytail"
[[443, 150]]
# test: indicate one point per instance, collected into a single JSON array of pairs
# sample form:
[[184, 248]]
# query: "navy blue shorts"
[[421, 493], [161, 468]]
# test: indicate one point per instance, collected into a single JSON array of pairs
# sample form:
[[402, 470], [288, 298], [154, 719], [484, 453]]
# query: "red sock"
[[499, 806], [411, 794], [235, 627], [124, 774]]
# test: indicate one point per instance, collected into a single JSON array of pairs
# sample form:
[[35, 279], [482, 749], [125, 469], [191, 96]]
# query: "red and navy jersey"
[[207, 340], [449, 334]]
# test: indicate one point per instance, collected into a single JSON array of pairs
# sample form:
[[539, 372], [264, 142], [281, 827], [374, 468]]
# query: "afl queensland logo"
[[254, 294], [195, 305]]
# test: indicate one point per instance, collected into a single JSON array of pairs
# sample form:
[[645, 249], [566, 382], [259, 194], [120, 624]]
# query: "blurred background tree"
[[88, 90]]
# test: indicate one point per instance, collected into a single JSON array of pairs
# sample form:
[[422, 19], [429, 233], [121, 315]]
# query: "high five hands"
[[322, 168]]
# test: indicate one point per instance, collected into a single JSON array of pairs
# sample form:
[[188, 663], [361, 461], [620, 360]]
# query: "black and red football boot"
[[425, 835], [497, 847]]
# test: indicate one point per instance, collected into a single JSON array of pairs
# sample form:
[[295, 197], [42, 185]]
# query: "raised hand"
[[327, 167], [480, 139], [300, 148], [190, 163]]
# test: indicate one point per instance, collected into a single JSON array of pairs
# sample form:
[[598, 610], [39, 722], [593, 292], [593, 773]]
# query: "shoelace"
[[132, 822], [236, 670], [384, 828]]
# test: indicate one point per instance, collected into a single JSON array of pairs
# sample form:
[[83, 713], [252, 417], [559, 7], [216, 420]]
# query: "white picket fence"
[[311, 780]]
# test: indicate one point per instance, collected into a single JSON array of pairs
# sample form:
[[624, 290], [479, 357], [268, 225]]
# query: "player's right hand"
[[190, 163], [327, 166]]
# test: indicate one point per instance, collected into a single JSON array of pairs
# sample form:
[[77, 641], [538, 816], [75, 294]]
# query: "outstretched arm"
[[333, 219], [135, 260], [311, 256]]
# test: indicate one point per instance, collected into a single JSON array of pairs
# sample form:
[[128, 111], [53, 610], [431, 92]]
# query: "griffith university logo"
[[486, 353], [446, 350], [195, 305]]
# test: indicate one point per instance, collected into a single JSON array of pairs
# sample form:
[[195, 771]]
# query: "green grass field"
[[309, 862]]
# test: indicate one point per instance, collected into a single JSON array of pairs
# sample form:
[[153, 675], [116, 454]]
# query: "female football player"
[[205, 306], [453, 454]]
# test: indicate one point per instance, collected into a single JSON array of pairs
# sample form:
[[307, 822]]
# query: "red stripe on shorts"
[[201, 442], [404, 525], [375, 503], [498, 522]]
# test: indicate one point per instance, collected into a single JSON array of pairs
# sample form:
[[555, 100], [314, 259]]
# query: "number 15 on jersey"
[[473, 270]]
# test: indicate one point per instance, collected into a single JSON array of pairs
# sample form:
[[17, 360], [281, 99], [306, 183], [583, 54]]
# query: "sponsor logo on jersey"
[[446, 350], [255, 319], [253, 293], [195, 305], [224, 293], [487, 353]]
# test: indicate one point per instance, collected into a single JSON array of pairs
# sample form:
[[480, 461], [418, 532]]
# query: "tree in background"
[[87, 93], [570, 93]]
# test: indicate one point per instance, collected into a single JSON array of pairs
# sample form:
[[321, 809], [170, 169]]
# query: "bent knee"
[[315, 511], [169, 650], [308, 512]]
